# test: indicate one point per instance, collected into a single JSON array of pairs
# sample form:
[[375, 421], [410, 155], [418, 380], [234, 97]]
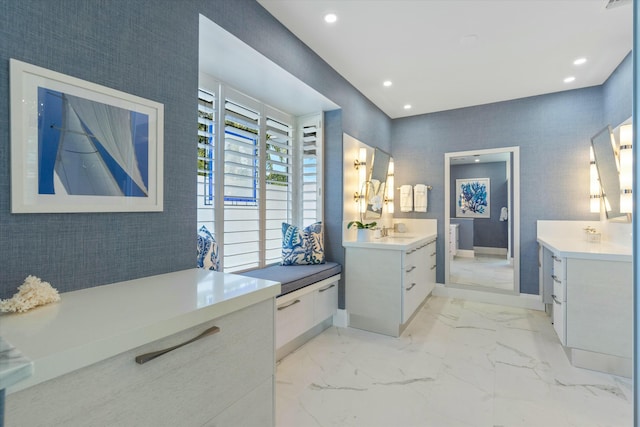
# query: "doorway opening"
[[482, 220]]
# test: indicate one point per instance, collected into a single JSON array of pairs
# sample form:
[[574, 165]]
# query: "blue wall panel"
[[553, 132], [150, 48]]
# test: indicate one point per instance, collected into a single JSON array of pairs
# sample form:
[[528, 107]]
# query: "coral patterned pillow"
[[207, 250]]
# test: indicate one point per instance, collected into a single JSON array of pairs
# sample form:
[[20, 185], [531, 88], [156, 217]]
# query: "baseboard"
[[482, 250], [532, 302], [341, 318], [465, 253], [301, 339], [615, 365]]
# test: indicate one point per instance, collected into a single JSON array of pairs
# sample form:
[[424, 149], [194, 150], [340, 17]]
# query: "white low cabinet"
[[302, 314], [387, 284], [225, 379]]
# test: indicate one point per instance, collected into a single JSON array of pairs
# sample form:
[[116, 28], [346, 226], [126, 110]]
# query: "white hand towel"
[[406, 198], [420, 202], [504, 214]]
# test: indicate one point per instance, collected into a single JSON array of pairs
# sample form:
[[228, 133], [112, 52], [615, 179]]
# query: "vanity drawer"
[[559, 289], [294, 316], [559, 267], [560, 320]]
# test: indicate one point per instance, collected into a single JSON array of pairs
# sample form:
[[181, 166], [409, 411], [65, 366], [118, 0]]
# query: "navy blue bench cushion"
[[294, 277]]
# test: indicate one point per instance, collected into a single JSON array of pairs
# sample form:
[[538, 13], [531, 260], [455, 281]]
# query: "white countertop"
[[395, 241], [580, 248], [93, 324], [14, 367]]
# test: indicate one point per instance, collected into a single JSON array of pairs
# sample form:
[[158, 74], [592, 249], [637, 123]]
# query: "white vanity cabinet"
[[387, 282], [589, 290]]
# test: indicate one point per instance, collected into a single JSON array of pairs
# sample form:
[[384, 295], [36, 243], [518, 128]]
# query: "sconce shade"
[[626, 168], [594, 186], [390, 187]]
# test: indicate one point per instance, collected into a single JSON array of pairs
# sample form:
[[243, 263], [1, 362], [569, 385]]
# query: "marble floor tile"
[[482, 270], [459, 363]]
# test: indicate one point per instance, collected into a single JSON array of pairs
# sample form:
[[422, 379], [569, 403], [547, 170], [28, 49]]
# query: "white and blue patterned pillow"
[[207, 250], [301, 247]]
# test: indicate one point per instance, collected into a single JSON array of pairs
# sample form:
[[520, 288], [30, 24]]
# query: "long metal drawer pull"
[[282, 307], [144, 358], [413, 267], [555, 299], [555, 278], [410, 287], [433, 266], [555, 258], [327, 288]]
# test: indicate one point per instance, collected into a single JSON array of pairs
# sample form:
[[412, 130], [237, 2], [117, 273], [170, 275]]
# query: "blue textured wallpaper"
[[149, 48], [553, 134], [128, 46], [618, 92]]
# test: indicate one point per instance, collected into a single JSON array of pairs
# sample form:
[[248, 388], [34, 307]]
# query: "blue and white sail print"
[[90, 148]]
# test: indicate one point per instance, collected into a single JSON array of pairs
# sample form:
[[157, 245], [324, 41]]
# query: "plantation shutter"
[[241, 186], [207, 129], [311, 138], [278, 179]]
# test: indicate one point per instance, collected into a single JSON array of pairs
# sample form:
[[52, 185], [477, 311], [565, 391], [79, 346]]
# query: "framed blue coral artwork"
[[77, 146], [472, 198]]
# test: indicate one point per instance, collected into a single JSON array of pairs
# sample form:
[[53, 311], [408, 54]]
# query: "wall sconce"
[[594, 187], [390, 188], [361, 166], [626, 168]]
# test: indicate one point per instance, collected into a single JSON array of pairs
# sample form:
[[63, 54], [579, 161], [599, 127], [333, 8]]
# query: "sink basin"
[[400, 237]]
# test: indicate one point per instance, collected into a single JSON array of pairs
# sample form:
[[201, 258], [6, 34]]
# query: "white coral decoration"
[[32, 293]]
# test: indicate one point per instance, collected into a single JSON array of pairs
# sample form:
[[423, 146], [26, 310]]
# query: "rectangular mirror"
[[376, 184], [605, 152]]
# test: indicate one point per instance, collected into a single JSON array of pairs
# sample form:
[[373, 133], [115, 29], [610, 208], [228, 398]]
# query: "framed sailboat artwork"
[[77, 146]]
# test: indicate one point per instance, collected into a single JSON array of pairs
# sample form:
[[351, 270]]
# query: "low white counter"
[[91, 325]]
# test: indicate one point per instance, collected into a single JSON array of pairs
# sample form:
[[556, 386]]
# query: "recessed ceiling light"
[[407, 106], [387, 83], [330, 18], [569, 79], [477, 160], [579, 61]]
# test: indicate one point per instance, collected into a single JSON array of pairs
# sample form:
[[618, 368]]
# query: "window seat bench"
[[306, 304]]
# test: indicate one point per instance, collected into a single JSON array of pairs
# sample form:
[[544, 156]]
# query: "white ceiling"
[[446, 54]]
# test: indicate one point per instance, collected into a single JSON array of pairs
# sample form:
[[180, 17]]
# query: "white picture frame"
[[77, 146]]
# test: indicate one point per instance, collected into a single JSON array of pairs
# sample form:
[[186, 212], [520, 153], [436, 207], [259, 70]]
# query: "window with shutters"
[[269, 173]]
